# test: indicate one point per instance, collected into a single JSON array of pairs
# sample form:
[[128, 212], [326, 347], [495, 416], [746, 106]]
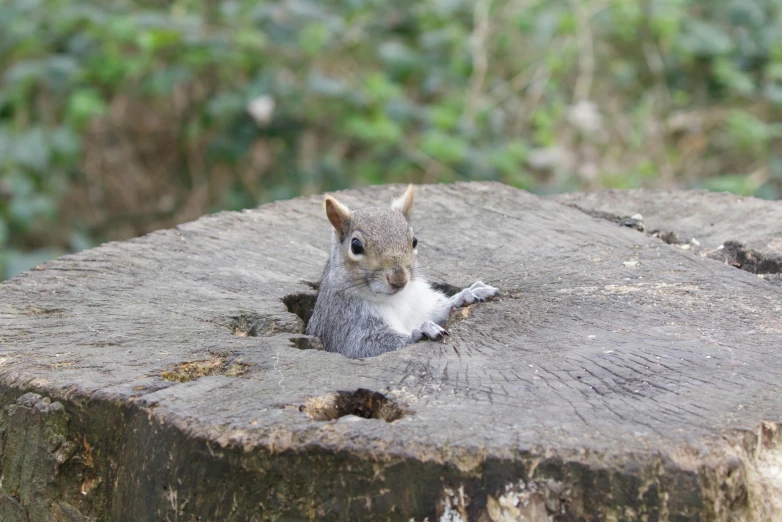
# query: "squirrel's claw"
[[482, 291], [432, 330]]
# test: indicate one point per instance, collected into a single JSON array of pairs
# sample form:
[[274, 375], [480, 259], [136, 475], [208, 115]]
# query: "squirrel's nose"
[[397, 278]]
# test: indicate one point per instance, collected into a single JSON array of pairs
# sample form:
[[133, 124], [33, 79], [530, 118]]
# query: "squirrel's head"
[[375, 246]]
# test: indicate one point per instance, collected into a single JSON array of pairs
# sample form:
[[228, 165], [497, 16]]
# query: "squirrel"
[[372, 299]]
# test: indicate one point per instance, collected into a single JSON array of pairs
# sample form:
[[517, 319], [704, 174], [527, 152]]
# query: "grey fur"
[[344, 318]]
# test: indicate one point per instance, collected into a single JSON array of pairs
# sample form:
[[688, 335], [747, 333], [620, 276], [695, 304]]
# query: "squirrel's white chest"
[[407, 310]]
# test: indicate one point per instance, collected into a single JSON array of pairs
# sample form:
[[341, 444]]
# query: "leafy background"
[[121, 117]]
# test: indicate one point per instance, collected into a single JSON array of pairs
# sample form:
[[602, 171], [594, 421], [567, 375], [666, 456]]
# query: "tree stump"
[[620, 377]]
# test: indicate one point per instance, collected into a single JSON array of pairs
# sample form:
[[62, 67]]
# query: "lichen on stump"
[[619, 377]]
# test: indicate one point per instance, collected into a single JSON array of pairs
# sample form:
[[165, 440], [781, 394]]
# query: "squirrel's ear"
[[405, 202], [338, 214]]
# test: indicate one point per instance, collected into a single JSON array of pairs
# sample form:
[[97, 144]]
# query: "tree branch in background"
[[480, 59], [586, 55]]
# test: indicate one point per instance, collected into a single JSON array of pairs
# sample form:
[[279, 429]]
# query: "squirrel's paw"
[[429, 329], [478, 291], [482, 291]]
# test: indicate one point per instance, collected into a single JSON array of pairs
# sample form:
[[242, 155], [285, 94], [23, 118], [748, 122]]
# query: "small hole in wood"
[[741, 256], [255, 325], [445, 288], [306, 342], [246, 325], [302, 304], [362, 403], [213, 365]]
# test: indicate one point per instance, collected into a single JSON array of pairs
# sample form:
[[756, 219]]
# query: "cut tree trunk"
[[743, 232], [622, 375]]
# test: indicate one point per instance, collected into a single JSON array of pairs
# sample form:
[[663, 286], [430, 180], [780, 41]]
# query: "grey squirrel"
[[372, 299]]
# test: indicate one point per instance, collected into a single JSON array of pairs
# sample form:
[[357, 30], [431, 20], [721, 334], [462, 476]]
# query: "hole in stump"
[[302, 305], [741, 256], [667, 236], [445, 288], [363, 403], [246, 325], [214, 365], [306, 342], [315, 285], [254, 325]]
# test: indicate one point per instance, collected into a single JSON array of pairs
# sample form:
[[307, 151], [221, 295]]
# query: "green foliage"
[[549, 96], [731, 183], [749, 133]]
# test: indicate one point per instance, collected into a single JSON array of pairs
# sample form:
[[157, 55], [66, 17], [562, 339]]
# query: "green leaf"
[[313, 38], [226, 106], [748, 132], [380, 88], [377, 129], [163, 82], [736, 184], [444, 117], [681, 98], [23, 212], [60, 71], [65, 144], [20, 184], [705, 39], [24, 72], [510, 159], [443, 147], [122, 28], [567, 24], [84, 105], [727, 73], [4, 233], [773, 92], [399, 58], [323, 85], [153, 40], [774, 71], [372, 172], [31, 149], [250, 39]]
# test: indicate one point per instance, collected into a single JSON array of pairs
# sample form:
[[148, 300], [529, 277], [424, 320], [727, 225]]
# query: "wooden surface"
[[618, 378], [740, 231]]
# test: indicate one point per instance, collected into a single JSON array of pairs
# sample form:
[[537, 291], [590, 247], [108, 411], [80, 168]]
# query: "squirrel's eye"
[[356, 247], [415, 241]]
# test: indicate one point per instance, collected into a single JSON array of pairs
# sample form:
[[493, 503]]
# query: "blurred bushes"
[[122, 117]]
